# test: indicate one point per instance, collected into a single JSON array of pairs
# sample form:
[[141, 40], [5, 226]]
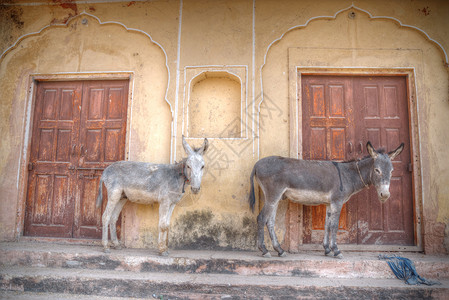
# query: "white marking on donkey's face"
[[194, 165], [194, 171], [383, 192], [381, 176]]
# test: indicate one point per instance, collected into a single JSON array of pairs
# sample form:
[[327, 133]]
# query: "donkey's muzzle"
[[383, 196], [195, 190], [384, 193]]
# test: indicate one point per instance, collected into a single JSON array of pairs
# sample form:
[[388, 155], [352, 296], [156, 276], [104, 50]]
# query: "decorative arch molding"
[[236, 73], [84, 13], [212, 74], [333, 17]]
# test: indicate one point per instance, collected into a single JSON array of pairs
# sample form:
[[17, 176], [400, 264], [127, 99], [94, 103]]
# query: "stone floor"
[[33, 270]]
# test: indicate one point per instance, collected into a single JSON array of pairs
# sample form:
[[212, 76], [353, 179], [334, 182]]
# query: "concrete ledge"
[[305, 265]]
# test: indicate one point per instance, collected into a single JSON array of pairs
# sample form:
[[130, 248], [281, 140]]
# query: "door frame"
[[294, 217], [28, 122]]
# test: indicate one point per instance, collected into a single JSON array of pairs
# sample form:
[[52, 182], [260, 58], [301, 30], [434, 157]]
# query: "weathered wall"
[[114, 49], [167, 45], [377, 44]]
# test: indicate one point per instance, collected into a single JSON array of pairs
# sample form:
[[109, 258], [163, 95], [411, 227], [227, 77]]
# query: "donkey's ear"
[[203, 149], [372, 152], [396, 152], [186, 146]]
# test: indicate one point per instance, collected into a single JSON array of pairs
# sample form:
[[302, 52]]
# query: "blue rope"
[[404, 269]]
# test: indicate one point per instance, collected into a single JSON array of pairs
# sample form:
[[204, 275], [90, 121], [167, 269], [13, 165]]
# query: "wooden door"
[[328, 120], [383, 120], [50, 196], [340, 114], [102, 141], [79, 128]]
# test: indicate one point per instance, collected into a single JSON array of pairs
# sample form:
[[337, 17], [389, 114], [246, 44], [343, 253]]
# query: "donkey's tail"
[[100, 194], [252, 198]]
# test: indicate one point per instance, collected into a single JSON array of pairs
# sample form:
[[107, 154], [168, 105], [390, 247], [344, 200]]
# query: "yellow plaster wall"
[[215, 101], [221, 36], [81, 54]]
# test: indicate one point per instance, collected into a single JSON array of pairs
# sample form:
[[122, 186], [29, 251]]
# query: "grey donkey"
[[146, 183], [317, 182]]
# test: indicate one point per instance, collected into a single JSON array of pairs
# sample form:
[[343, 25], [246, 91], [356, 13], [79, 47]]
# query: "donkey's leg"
[[261, 222], [270, 225], [113, 223], [165, 212], [113, 198], [327, 249], [334, 220]]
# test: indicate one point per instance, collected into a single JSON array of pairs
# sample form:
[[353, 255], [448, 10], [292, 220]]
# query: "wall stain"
[[16, 16], [11, 23], [201, 230]]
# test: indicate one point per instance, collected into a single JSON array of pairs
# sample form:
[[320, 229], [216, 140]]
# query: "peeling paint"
[[425, 11], [70, 5]]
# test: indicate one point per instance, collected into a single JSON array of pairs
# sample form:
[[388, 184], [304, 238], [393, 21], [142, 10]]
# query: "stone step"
[[305, 265], [159, 285], [20, 295]]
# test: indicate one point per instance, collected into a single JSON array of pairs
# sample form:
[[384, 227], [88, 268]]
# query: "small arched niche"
[[215, 108]]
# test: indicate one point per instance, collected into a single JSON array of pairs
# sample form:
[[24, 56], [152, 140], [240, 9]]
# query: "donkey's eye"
[[202, 167], [378, 171], [188, 167]]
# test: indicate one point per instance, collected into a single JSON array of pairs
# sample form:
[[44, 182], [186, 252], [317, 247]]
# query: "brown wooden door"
[[382, 118], [102, 141], [50, 196], [340, 114], [78, 129], [328, 121]]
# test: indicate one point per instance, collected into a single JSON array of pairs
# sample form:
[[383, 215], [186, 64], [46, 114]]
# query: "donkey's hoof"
[[338, 255], [327, 252], [282, 254], [266, 254], [165, 253], [118, 247], [107, 250]]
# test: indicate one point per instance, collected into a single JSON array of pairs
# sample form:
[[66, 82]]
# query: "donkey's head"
[[194, 164], [382, 169]]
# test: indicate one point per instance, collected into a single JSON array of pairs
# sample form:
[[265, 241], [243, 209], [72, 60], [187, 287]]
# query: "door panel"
[[88, 217], [102, 140], [327, 118], [79, 128], [340, 115], [49, 207], [386, 127], [103, 125]]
